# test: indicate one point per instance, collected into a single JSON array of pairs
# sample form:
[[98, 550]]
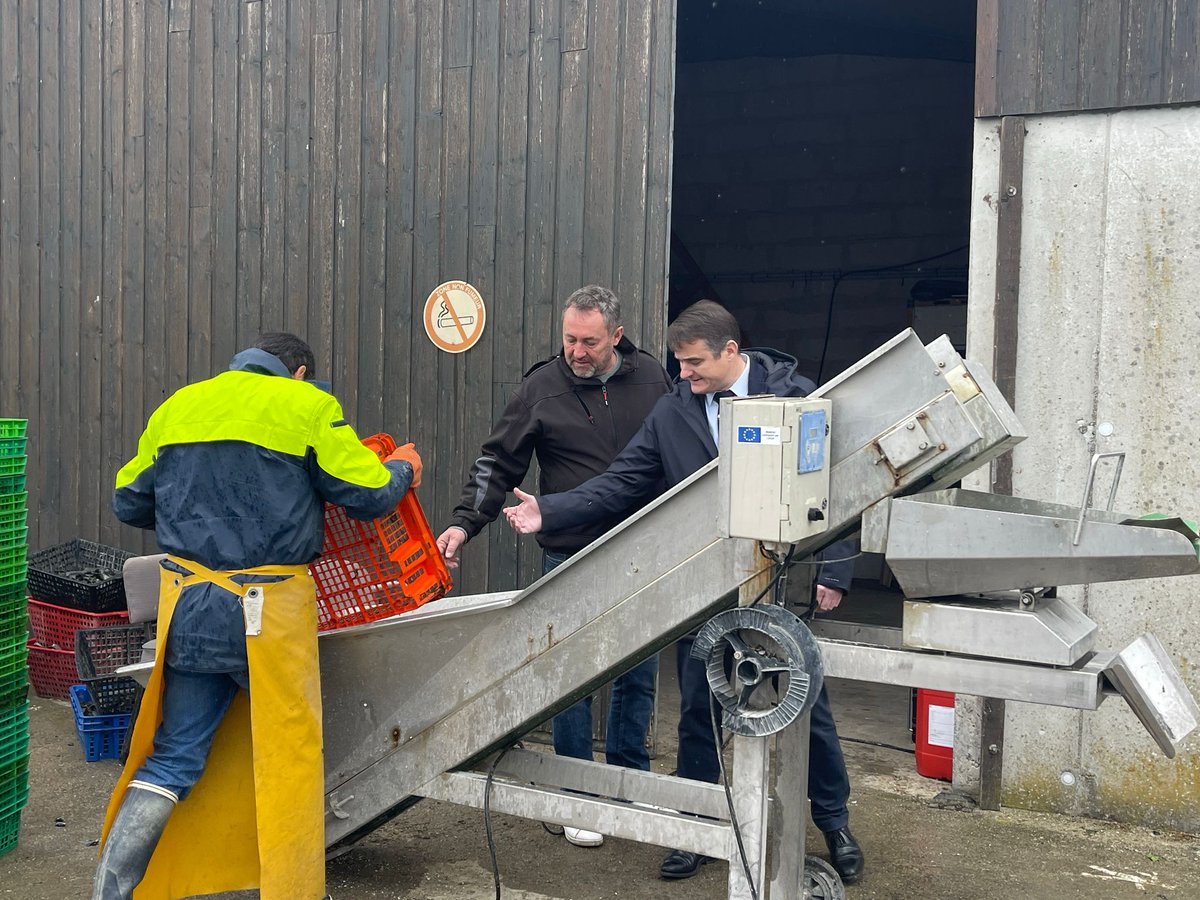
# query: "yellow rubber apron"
[[256, 816]]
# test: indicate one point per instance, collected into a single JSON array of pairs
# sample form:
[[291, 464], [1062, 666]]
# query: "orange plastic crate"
[[373, 570]]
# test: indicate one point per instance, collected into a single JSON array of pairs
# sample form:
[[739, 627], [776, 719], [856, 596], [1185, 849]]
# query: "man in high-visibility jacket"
[[224, 785]]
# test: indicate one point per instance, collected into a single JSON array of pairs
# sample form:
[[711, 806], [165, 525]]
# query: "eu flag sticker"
[[748, 435]]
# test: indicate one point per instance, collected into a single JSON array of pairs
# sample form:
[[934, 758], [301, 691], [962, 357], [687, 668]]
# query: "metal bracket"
[[1146, 677], [1087, 488], [336, 803]]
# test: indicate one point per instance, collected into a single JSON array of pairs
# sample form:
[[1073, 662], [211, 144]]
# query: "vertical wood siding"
[[178, 175], [1038, 56]]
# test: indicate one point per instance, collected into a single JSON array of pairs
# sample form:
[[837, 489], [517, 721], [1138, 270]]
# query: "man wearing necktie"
[[678, 438]]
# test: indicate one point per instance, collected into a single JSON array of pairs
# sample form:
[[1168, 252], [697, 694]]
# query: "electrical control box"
[[774, 469]]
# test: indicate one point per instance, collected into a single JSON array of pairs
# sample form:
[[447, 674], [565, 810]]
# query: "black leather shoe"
[[845, 854], [682, 864]]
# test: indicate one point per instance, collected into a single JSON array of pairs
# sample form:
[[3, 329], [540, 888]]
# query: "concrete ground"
[[439, 852]]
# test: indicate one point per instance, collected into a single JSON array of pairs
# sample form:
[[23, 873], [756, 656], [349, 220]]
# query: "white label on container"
[[772, 435], [941, 726]]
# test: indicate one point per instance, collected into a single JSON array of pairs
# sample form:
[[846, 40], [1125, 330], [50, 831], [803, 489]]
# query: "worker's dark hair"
[[601, 299], [291, 350], [706, 321]]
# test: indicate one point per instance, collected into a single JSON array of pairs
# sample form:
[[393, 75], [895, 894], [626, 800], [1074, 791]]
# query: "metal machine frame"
[[423, 705]]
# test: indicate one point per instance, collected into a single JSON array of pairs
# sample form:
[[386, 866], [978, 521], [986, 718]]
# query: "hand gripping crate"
[[373, 570], [99, 652], [79, 574]]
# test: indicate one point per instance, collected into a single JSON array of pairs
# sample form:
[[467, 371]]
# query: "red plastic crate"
[[56, 625], [52, 671], [373, 570]]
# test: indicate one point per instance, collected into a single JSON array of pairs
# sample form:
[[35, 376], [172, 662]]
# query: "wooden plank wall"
[[1039, 56], [178, 175]]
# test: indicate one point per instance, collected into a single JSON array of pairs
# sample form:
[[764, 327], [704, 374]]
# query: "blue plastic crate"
[[100, 736]]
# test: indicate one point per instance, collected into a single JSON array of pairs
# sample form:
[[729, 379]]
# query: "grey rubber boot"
[[131, 842]]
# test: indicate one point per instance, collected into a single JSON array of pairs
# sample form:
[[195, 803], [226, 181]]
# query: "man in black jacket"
[[576, 412], [678, 438]]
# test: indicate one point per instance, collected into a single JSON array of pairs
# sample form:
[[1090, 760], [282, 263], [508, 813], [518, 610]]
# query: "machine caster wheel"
[[821, 880]]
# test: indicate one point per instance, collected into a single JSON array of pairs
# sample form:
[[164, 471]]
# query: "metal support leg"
[[751, 765], [789, 813], [991, 753]]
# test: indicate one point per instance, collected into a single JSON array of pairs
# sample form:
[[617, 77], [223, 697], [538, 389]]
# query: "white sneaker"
[[581, 838]]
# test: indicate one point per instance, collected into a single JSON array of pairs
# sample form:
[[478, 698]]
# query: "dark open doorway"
[[822, 170]]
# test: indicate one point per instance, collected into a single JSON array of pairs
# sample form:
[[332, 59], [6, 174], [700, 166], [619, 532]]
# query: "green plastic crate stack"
[[14, 631]]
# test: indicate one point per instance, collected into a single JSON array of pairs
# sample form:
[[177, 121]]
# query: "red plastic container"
[[373, 570], [56, 625], [52, 671], [935, 734]]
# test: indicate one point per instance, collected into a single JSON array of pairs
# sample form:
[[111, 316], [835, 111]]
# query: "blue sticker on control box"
[[747, 435], [812, 441]]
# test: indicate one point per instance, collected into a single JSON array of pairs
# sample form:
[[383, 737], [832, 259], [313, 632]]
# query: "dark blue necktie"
[[717, 400]]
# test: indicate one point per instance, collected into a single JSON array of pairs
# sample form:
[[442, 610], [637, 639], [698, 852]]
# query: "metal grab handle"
[[1087, 489]]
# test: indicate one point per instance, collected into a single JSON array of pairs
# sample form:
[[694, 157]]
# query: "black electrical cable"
[[779, 572], [737, 830], [851, 740], [807, 561], [838, 280], [786, 563], [813, 561], [828, 328], [487, 816]]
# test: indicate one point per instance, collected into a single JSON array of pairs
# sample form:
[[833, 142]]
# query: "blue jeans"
[[204, 667], [628, 715], [193, 705]]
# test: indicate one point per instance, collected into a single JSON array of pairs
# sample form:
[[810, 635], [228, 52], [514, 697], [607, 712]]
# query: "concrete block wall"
[[829, 163], [1109, 322]]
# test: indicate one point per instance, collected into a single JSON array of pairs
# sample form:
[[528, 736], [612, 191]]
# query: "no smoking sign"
[[454, 316]]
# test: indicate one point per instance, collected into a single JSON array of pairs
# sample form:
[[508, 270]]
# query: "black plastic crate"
[[101, 651], [113, 694], [79, 574]]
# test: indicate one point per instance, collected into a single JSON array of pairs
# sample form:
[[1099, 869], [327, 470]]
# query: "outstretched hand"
[[526, 518]]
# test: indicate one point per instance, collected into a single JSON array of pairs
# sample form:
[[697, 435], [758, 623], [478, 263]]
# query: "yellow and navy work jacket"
[[233, 472]]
